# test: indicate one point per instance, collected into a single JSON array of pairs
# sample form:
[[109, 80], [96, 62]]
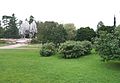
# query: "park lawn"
[[4, 44], [26, 66]]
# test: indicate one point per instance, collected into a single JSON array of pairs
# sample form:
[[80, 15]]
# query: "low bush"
[[35, 41], [74, 49], [47, 49]]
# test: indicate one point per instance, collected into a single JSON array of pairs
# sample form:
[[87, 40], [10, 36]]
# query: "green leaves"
[[74, 49], [85, 34], [108, 45], [51, 32], [47, 49], [11, 30]]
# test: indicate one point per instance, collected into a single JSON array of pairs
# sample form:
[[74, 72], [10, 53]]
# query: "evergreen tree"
[[12, 30]]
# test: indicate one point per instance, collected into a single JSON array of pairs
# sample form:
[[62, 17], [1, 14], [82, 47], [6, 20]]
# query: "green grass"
[[5, 44], [26, 66]]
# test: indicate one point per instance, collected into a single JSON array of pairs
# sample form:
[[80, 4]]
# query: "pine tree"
[[12, 30]]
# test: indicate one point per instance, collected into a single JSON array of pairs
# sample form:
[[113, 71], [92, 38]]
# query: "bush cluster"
[[75, 49], [47, 49], [108, 45]]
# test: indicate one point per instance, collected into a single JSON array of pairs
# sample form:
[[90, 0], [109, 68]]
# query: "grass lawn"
[[26, 66], [4, 44]]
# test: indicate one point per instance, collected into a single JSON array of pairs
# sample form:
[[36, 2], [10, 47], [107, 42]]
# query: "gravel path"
[[12, 46]]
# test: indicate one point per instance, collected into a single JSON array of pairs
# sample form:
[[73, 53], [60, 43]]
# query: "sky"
[[82, 13]]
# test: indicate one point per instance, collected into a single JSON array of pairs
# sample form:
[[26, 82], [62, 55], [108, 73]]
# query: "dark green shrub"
[[34, 41], [74, 49], [108, 46], [47, 49]]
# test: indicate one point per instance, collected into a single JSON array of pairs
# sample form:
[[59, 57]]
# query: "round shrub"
[[74, 49], [47, 49]]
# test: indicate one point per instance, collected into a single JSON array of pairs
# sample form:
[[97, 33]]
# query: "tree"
[[1, 32], [6, 20], [100, 24], [11, 31], [71, 31], [108, 45], [102, 27], [31, 19], [50, 31], [85, 34]]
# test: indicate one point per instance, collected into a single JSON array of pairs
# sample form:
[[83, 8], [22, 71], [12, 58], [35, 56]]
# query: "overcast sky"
[[80, 12]]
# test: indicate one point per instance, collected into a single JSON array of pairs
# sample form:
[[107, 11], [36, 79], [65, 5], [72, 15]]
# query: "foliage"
[[1, 32], [11, 30], [74, 49], [102, 27], [51, 32], [34, 41], [71, 31], [47, 49], [100, 24], [31, 19], [108, 45], [85, 34], [87, 47]]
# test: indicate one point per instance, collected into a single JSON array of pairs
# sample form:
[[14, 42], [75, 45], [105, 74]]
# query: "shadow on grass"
[[114, 65]]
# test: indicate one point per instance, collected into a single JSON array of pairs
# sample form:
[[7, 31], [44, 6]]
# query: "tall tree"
[[5, 21], [114, 21], [86, 33], [1, 32], [50, 31], [11, 31], [71, 31], [102, 27]]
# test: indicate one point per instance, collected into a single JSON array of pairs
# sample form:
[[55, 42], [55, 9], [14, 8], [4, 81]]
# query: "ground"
[[27, 66]]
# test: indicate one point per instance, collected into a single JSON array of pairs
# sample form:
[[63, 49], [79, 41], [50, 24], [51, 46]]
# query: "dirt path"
[[12, 46]]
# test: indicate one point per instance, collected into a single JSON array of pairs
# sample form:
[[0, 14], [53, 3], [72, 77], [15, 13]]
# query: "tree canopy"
[[86, 33], [11, 30], [71, 31], [50, 31], [102, 27]]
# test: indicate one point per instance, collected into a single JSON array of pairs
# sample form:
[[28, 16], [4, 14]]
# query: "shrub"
[[87, 47], [108, 46], [74, 49], [35, 41], [47, 49]]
